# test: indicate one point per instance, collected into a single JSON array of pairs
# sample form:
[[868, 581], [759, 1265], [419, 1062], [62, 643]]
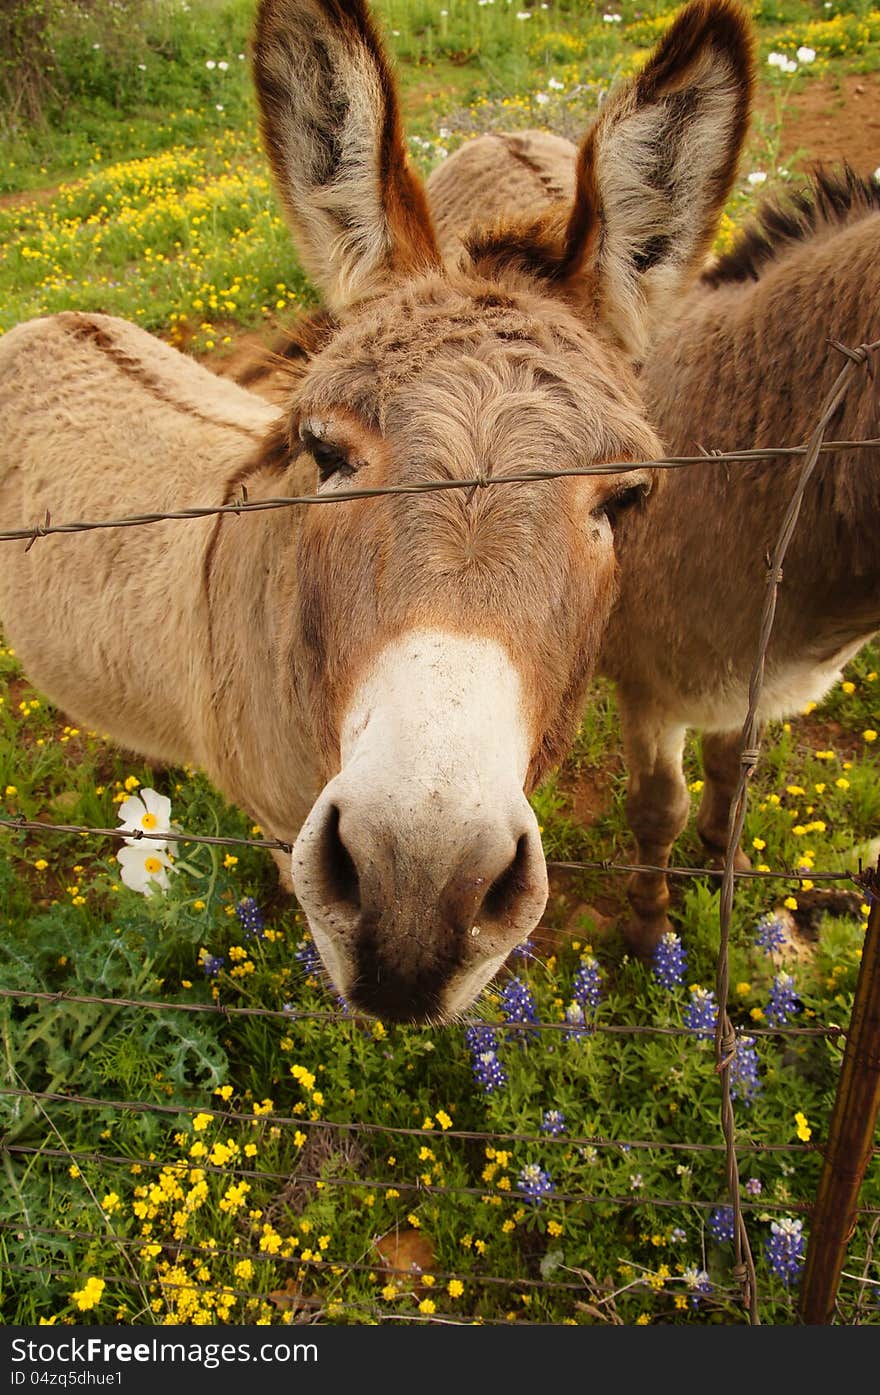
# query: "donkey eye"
[[632, 496], [330, 458]]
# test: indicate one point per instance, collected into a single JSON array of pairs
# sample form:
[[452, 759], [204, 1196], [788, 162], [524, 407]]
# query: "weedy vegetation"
[[288, 1163]]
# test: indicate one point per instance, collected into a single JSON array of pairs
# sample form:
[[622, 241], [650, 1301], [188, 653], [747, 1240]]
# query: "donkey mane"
[[832, 199]]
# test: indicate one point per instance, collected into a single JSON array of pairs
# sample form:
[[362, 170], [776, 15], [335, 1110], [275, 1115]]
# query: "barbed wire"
[[180, 1168], [244, 505], [298, 1302], [382, 1266], [725, 1035], [831, 1030], [399, 1130], [20, 822]]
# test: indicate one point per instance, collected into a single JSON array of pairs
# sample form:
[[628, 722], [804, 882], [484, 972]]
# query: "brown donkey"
[[746, 363], [408, 665]]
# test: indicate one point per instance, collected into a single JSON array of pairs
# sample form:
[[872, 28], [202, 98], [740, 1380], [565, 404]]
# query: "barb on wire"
[[782, 874], [244, 505], [831, 1030], [296, 1121], [725, 1038], [179, 1167]]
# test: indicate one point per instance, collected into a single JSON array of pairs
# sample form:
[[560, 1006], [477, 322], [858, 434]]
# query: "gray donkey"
[[744, 363]]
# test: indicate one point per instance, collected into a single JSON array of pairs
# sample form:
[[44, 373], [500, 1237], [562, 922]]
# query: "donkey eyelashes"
[[331, 457], [633, 496]]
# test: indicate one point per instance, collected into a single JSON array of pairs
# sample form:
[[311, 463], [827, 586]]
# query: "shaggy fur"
[[240, 643], [745, 363]]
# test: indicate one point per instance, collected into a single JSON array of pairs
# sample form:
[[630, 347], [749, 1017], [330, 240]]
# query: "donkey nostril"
[[500, 901], [340, 875]]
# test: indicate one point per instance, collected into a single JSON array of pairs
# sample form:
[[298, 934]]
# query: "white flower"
[[788, 65], [555, 84], [148, 812], [219, 106], [541, 98], [143, 67], [444, 132], [241, 58], [144, 868], [210, 63], [757, 177], [806, 55], [776, 60], [223, 65], [523, 14]]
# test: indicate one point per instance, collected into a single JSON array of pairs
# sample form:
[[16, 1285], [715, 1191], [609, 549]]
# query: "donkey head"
[[444, 639]]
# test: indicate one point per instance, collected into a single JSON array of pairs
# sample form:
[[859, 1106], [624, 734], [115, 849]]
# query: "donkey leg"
[[657, 807], [721, 768]]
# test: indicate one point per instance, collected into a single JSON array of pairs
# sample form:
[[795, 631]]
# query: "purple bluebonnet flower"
[[702, 1012], [488, 1069], [518, 1006], [535, 1182], [553, 1122], [753, 1186], [670, 961], [784, 1249], [251, 918], [212, 964], [699, 1283], [306, 955], [783, 1002], [769, 934], [586, 986], [744, 1082], [526, 950], [720, 1224], [574, 1016]]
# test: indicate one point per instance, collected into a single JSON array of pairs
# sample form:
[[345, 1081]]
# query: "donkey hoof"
[[642, 934]]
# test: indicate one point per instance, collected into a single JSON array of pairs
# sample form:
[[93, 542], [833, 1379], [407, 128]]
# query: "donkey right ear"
[[331, 127]]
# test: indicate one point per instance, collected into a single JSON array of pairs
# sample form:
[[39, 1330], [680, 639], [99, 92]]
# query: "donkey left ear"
[[655, 170], [331, 126]]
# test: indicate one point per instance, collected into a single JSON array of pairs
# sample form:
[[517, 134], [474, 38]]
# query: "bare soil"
[[830, 119]]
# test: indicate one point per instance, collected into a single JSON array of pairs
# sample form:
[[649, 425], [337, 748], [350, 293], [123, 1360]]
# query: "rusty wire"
[[300, 1302], [725, 1036], [25, 825], [396, 1130], [291, 1015], [244, 505], [180, 1168]]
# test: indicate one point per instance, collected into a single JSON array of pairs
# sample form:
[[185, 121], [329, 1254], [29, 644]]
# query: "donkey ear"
[[655, 170], [331, 127]]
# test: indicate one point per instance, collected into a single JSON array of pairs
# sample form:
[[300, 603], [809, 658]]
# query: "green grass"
[[165, 216]]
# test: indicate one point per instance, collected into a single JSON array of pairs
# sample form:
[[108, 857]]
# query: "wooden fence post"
[[850, 1133]]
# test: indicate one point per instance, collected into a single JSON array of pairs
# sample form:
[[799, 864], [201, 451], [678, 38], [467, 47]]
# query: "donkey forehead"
[[437, 344]]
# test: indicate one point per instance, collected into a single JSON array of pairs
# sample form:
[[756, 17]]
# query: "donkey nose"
[[403, 905]]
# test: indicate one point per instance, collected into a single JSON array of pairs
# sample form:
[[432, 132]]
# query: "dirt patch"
[[832, 118]]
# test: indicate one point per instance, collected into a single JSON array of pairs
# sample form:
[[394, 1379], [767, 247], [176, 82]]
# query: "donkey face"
[[445, 638]]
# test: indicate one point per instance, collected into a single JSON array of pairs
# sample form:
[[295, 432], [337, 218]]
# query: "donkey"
[[745, 363], [381, 680]]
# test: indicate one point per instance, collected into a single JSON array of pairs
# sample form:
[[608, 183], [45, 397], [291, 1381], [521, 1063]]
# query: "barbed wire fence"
[[846, 1152]]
